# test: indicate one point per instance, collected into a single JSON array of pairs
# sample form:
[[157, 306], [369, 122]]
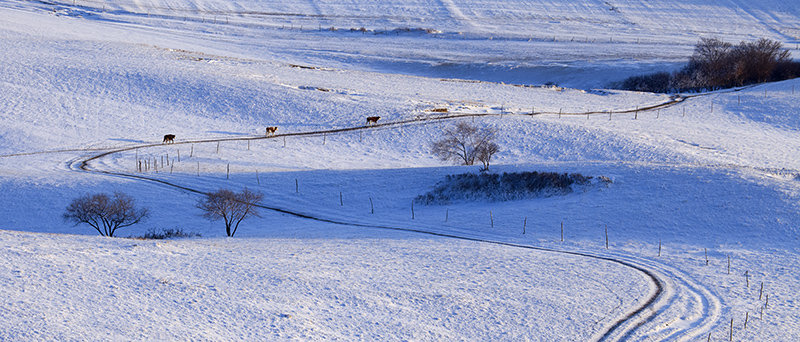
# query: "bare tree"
[[231, 207], [485, 153], [104, 213], [464, 143]]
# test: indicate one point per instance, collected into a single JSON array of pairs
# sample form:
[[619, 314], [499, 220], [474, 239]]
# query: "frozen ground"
[[715, 174]]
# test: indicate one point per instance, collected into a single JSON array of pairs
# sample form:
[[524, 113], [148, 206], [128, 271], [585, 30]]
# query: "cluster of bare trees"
[[464, 143], [107, 213], [717, 64]]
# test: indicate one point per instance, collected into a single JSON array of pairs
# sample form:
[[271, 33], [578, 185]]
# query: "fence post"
[[730, 338], [729, 264], [524, 225], [371, 207]]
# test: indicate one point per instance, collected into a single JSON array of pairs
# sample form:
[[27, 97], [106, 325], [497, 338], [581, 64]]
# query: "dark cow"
[[169, 138], [271, 130], [371, 120]]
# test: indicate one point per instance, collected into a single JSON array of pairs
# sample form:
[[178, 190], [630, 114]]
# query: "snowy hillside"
[[704, 187]]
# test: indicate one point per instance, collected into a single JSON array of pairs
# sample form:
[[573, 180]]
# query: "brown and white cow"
[[169, 139], [271, 130], [371, 120]]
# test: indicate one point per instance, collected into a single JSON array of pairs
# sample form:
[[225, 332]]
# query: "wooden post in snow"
[[524, 225], [730, 337], [747, 278], [746, 318]]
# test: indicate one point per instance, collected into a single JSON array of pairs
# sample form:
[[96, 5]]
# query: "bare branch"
[[464, 143], [230, 206], [103, 213]]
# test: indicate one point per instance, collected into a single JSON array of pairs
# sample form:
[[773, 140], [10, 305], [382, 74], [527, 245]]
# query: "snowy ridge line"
[[184, 14], [674, 100], [453, 115], [657, 282]]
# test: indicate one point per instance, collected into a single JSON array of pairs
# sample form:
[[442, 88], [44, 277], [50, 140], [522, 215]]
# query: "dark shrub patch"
[[162, 234], [716, 64], [505, 187]]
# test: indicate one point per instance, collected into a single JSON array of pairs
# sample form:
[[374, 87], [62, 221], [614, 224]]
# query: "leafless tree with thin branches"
[[231, 207], [463, 143], [485, 153], [105, 213]]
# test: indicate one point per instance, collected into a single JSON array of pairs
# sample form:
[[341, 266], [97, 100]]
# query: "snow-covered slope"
[[715, 174]]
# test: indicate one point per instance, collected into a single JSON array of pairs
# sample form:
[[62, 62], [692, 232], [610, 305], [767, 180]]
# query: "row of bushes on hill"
[[716, 64]]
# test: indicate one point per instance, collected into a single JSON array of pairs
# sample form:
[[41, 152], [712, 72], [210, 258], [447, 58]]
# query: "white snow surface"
[[696, 184]]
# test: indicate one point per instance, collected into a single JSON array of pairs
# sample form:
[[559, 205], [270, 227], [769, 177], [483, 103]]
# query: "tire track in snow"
[[657, 282], [660, 300]]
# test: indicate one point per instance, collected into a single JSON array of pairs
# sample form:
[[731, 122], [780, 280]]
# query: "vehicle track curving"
[[668, 286]]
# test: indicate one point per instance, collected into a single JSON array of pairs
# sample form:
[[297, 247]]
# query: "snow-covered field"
[[698, 183]]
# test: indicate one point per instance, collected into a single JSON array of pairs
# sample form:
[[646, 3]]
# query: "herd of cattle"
[[170, 138]]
